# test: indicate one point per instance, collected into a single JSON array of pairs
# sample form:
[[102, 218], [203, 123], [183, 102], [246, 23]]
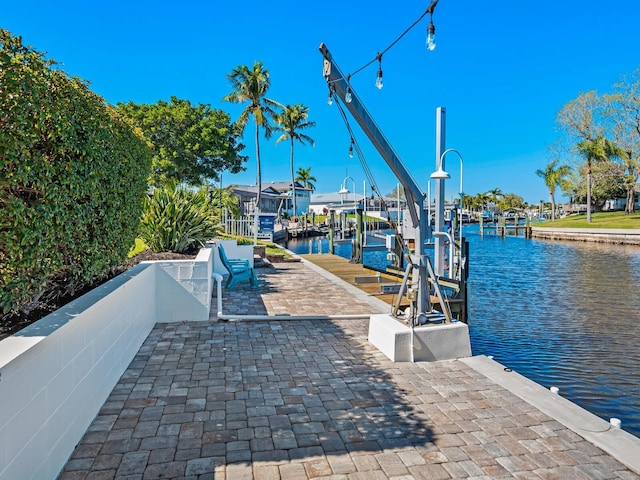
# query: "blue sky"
[[502, 70]]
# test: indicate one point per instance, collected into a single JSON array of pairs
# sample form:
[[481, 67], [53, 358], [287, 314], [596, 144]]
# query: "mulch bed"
[[9, 324]]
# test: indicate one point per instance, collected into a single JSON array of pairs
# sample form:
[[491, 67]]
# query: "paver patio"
[[312, 399]]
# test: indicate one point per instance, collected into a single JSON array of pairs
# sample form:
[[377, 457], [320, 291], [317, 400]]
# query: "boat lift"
[[419, 264]]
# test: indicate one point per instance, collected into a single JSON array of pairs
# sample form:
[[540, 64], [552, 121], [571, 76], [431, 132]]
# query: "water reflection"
[[563, 314]]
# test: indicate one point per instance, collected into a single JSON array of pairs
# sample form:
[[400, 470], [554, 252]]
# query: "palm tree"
[[494, 195], [224, 199], [596, 150], [553, 175], [291, 119], [251, 85], [304, 175]]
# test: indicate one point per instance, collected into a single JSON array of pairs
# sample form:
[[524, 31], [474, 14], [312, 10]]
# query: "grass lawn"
[[598, 220]]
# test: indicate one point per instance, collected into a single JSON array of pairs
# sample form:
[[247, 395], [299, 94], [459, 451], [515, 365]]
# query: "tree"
[[290, 121], [553, 175], [494, 195], [304, 175], [191, 143], [481, 200], [399, 189], [224, 199], [607, 181], [251, 85], [475, 203], [599, 149], [511, 200], [623, 111]]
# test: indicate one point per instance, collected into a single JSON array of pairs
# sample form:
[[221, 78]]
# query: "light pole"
[[441, 174], [344, 191], [364, 208]]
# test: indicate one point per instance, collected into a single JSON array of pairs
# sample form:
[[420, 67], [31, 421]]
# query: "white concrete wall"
[[56, 373], [184, 287], [598, 235]]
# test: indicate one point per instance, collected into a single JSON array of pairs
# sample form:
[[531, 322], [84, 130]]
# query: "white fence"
[[244, 227]]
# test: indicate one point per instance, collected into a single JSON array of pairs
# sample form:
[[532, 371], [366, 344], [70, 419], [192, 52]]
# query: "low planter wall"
[[600, 235], [56, 373]]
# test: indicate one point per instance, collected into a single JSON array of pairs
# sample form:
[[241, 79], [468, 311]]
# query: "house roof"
[[335, 197], [252, 190], [285, 186]]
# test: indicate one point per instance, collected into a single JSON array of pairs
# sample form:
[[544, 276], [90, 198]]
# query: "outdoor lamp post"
[[344, 191], [441, 174]]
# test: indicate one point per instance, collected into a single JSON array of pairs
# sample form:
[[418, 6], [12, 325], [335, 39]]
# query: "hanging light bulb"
[[351, 150], [379, 75], [431, 36], [330, 98], [347, 95]]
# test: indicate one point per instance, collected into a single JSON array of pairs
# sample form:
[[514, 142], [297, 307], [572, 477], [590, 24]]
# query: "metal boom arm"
[[415, 196]]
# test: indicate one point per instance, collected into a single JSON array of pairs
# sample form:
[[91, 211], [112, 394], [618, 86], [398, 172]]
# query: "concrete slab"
[[426, 343]]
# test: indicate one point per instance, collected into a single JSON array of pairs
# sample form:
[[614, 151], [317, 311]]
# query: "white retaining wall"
[[56, 373], [598, 235]]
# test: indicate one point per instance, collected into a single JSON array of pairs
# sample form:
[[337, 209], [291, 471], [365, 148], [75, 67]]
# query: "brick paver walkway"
[[312, 399]]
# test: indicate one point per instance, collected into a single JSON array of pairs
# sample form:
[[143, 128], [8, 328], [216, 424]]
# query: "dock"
[[365, 278], [357, 275], [505, 226]]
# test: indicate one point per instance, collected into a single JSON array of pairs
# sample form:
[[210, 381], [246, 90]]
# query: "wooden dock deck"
[[348, 272], [343, 269]]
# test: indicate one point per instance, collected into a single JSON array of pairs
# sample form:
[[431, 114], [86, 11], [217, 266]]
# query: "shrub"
[[73, 176], [176, 219]]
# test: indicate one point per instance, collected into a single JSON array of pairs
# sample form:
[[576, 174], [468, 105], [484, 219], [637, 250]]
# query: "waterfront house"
[[620, 203], [276, 198], [270, 198], [302, 193]]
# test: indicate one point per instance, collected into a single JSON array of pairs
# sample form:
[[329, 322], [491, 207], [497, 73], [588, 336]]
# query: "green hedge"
[[72, 181]]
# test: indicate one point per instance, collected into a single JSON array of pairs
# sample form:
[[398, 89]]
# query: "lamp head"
[[440, 174]]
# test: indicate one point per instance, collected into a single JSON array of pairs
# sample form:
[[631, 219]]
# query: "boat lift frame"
[[416, 198]]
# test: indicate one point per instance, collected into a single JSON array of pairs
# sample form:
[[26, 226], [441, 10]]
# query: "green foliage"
[[73, 175], [176, 219], [304, 175], [605, 128], [250, 85], [291, 120], [137, 248], [224, 199], [607, 181], [191, 143], [554, 175]]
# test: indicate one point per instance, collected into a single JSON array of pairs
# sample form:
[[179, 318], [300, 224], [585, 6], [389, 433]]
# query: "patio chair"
[[239, 269]]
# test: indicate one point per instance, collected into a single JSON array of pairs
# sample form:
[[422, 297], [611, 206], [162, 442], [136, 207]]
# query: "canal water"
[[563, 314]]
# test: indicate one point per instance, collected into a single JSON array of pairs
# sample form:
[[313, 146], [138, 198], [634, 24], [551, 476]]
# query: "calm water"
[[564, 314]]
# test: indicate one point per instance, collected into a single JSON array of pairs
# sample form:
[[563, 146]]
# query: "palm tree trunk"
[[631, 196], [259, 185], [293, 181], [553, 206], [589, 192]]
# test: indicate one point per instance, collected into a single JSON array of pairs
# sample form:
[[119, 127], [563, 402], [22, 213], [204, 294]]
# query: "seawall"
[[620, 236]]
